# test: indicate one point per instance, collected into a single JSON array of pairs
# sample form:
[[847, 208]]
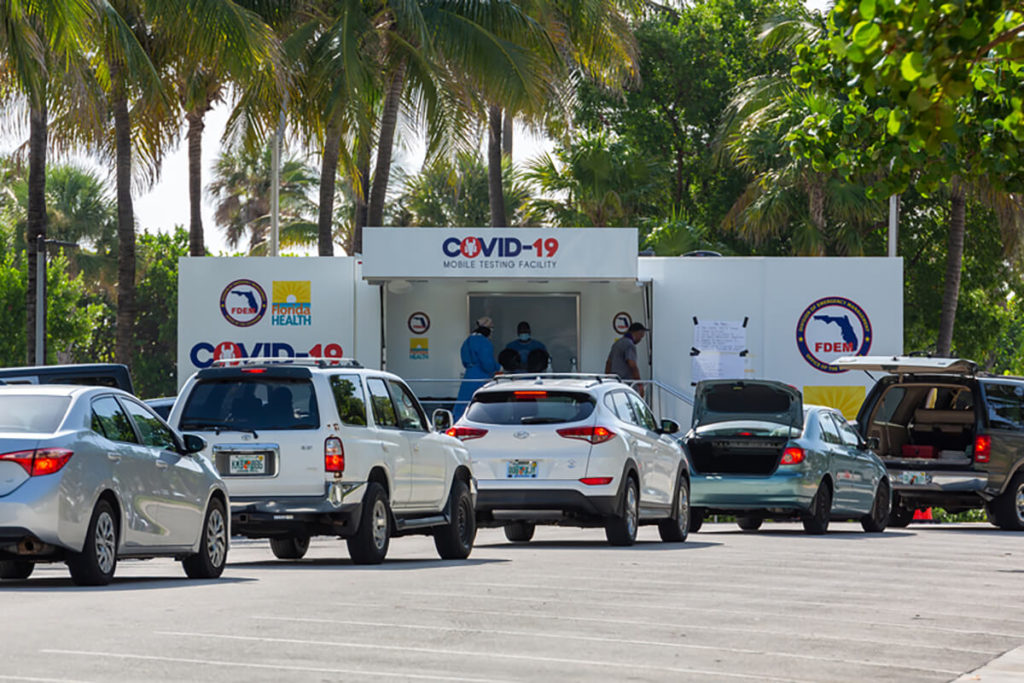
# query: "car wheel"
[[676, 528], [293, 548], [696, 519], [370, 543], [816, 521], [749, 522], [454, 541], [209, 562], [621, 529], [1007, 510], [95, 565], [876, 520], [519, 532], [16, 569]]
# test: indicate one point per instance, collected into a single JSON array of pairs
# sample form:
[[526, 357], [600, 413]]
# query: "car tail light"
[[594, 435], [596, 481], [792, 456], [334, 455], [40, 461], [982, 448], [466, 433], [529, 394], [254, 371]]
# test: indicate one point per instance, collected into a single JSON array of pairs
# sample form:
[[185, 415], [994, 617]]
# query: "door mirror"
[[669, 427], [873, 443], [442, 419], [193, 444]]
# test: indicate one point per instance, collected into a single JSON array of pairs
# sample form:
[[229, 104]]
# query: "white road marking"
[[624, 641], [4, 677], [487, 655], [281, 667]]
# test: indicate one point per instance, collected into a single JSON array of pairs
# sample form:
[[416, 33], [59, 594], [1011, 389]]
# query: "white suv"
[[575, 450], [325, 447]]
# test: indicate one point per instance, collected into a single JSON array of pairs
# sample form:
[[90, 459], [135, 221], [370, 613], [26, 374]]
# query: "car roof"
[[71, 390], [575, 382]]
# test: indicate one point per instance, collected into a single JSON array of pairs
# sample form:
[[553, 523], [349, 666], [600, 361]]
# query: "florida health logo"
[[292, 303], [830, 328], [243, 303]]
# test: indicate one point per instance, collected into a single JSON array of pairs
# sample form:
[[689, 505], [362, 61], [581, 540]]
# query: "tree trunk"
[[494, 189], [195, 183], [506, 134], [385, 144], [361, 192], [954, 264], [328, 174], [125, 221], [36, 222], [816, 199]]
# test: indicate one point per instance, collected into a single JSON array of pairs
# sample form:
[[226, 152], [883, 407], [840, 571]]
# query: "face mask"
[[525, 336]]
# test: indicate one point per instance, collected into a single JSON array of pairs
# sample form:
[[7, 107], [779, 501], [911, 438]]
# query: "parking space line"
[[32, 679], [255, 665], [490, 655], [622, 641]]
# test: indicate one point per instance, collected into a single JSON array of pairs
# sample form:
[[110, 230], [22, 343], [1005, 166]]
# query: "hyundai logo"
[[521, 435]]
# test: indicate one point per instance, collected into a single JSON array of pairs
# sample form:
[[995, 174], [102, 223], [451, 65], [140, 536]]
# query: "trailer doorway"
[[554, 320]]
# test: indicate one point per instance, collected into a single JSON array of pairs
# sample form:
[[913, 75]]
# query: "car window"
[[891, 400], [846, 433], [255, 402], [380, 399], [153, 432], [829, 431], [410, 416], [645, 418], [622, 408], [110, 420], [348, 396], [531, 406], [1004, 403], [32, 414]]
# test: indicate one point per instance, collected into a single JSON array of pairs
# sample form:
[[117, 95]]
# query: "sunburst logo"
[[292, 303], [846, 400]]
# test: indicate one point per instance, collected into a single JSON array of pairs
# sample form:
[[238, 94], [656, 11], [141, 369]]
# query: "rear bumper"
[[283, 517], [34, 510], [935, 487], [780, 491], [552, 501]]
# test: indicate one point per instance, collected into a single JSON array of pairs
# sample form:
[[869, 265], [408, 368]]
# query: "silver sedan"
[[89, 475]]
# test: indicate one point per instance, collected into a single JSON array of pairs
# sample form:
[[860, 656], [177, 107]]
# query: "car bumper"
[[781, 491], [33, 510], [296, 516], [501, 500], [938, 486]]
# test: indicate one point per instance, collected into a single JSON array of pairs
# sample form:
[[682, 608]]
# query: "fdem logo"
[[243, 303], [832, 327]]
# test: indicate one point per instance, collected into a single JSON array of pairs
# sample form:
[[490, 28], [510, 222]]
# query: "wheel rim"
[[631, 510], [1020, 503], [683, 513], [216, 538], [106, 542], [380, 524]]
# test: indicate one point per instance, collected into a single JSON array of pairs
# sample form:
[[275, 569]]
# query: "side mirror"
[[873, 443], [193, 443], [669, 427], [442, 419]]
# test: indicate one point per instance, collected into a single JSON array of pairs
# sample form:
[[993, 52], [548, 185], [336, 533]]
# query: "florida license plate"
[[913, 478], [522, 469], [247, 464]]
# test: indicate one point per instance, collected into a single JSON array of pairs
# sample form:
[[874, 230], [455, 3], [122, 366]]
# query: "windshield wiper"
[[217, 426]]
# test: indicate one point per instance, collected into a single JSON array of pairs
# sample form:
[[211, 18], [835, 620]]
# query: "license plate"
[[913, 478], [247, 464], [522, 469]]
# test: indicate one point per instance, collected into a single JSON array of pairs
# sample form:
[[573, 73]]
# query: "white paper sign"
[[720, 335], [715, 365]]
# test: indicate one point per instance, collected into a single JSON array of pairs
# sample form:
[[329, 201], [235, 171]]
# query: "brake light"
[[792, 456], [41, 461], [596, 481], [254, 371], [466, 433], [334, 455], [594, 435], [529, 394], [982, 448]]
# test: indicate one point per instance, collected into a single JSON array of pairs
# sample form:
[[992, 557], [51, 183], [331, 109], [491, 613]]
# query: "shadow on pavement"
[[395, 564], [128, 583], [838, 534], [639, 546]]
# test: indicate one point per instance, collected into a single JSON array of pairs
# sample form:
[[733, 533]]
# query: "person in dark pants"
[[524, 344], [622, 357], [478, 358]]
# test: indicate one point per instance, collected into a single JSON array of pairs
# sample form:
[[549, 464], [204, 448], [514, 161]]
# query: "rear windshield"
[[251, 403], [32, 414], [530, 407]]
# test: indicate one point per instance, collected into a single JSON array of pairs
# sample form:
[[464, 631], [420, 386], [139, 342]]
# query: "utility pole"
[[41, 244]]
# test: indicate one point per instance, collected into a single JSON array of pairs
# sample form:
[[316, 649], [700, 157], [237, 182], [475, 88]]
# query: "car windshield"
[[748, 428], [32, 414], [530, 407], [246, 404]]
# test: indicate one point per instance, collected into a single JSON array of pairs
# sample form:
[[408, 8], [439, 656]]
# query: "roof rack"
[[312, 361], [518, 377]]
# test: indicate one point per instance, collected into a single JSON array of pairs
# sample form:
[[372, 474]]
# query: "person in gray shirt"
[[622, 357]]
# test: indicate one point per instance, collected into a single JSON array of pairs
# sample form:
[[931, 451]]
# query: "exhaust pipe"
[[33, 546]]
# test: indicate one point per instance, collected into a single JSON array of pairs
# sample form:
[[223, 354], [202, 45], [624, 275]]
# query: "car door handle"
[[161, 464], [113, 457], [385, 445]]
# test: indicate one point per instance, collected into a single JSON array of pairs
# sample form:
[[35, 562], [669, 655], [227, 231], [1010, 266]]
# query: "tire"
[[816, 521], [696, 519], [209, 562], [1007, 510], [95, 565], [676, 528], [876, 520], [749, 522], [621, 529], [454, 541], [900, 515], [370, 543], [16, 569], [293, 548], [519, 532]]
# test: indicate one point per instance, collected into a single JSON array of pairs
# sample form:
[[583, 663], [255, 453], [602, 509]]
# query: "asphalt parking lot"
[[927, 603]]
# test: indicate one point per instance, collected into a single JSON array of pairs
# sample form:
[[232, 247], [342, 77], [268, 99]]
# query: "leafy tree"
[[156, 325]]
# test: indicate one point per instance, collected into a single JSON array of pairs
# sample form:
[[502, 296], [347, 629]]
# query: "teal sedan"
[[757, 452]]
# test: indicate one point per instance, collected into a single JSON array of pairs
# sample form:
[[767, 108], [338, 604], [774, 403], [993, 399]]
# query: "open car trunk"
[[756, 455]]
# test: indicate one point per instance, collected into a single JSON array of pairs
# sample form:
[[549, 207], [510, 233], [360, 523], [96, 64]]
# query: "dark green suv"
[[950, 437]]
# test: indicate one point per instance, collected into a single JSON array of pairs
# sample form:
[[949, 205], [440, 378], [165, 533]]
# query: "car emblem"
[[521, 435]]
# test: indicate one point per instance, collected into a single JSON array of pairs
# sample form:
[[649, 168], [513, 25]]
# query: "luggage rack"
[[540, 376], [311, 361]]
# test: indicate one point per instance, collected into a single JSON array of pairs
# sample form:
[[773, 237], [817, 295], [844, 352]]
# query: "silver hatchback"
[[89, 475]]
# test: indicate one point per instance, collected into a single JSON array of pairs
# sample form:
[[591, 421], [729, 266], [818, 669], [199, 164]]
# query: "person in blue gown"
[[478, 358], [524, 344]]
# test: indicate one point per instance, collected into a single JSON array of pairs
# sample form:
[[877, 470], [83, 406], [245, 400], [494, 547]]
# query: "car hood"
[[736, 400]]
